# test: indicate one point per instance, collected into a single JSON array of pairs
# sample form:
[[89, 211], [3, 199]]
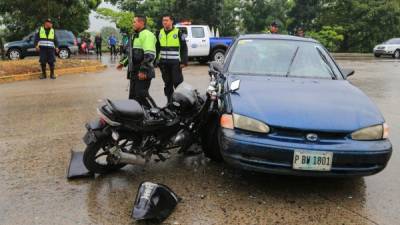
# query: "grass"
[[24, 66]]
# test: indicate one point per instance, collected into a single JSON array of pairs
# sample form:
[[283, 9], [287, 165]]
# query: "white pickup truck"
[[202, 46]]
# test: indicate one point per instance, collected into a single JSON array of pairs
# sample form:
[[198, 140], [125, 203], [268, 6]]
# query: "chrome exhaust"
[[131, 159]]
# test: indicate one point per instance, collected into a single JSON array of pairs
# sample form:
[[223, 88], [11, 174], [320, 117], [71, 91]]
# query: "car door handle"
[[203, 40]]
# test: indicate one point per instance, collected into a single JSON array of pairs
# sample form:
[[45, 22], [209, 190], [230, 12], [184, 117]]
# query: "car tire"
[[209, 141], [14, 54], [377, 55], [64, 53], [218, 55], [396, 54]]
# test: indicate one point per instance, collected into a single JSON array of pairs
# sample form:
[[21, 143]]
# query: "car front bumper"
[[383, 52], [350, 158]]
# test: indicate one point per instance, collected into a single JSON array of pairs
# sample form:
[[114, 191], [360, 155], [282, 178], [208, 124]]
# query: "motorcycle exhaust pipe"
[[131, 159]]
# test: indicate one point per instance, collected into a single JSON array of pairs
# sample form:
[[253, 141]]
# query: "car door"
[[30, 46], [198, 41]]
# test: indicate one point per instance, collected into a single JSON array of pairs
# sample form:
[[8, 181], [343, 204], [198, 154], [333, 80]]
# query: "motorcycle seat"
[[127, 108]]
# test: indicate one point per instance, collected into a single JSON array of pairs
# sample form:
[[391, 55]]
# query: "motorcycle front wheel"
[[96, 160]]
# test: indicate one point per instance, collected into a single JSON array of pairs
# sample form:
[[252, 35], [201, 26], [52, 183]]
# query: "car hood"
[[302, 103]]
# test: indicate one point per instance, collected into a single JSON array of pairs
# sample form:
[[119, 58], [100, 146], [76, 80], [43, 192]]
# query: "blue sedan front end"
[[300, 116], [274, 153]]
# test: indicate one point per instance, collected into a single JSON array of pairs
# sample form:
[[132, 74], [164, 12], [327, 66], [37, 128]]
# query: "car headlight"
[[5, 45], [376, 132], [242, 122]]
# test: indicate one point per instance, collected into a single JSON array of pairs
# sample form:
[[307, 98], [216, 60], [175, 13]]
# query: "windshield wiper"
[[292, 60], [327, 63]]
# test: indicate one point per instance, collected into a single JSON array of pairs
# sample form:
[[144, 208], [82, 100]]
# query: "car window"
[[198, 32], [64, 35], [281, 58], [393, 41]]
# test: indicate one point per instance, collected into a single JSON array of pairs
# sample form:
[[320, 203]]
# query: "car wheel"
[[377, 55], [64, 53], [396, 54], [218, 56], [209, 140], [14, 54]]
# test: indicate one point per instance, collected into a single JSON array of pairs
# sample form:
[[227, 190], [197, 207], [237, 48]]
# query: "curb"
[[59, 72]]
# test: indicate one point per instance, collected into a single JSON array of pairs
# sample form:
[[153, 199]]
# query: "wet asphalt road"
[[41, 120]]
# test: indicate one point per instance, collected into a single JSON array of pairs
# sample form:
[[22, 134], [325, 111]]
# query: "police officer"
[[142, 53], [46, 43], [172, 55]]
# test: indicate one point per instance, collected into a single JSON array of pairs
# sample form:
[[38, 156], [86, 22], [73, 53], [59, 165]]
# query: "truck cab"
[[202, 46]]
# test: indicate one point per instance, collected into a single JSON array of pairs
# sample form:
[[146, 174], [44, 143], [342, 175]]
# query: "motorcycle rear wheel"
[[92, 156]]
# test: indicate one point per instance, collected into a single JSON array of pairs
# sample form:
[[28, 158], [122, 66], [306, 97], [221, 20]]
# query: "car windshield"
[[393, 41], [282, 58]]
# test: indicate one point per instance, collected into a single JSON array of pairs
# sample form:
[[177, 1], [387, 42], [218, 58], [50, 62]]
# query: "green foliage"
[[24, 16], [365, 23], [330, 37], [122, 19]]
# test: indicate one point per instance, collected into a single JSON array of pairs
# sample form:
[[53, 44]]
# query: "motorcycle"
[[128, 133]]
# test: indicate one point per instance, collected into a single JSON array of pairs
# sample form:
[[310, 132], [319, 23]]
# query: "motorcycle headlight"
[[244, 123], [376, 132]]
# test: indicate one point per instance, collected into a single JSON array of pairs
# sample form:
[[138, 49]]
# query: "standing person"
[[142, 53], [172, 53], [98, 40], [112, 42], [273, 28], [47, 45], [300, 32]]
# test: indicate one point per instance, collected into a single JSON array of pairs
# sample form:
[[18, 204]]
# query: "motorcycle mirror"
[[235, 85], [154, 202]]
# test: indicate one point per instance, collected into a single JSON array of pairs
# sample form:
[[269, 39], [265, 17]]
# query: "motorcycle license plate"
[[312, 160]]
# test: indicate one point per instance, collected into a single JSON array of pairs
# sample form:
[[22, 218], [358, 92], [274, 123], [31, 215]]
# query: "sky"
[[95, 23]]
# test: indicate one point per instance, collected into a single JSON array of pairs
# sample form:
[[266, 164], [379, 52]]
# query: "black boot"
[[52, 75], [44, 75]]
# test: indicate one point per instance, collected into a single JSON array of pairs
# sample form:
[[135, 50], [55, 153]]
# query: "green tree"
[[330, 37], [122, 19], [21, 17], [365, 23], [303, 14]]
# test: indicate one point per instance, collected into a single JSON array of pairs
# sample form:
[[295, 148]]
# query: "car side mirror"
[[348, 72], [235, 85]]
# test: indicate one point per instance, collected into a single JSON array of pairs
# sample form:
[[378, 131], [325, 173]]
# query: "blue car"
[[294, 112]]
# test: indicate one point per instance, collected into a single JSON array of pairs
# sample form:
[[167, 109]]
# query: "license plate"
[[312, 160]]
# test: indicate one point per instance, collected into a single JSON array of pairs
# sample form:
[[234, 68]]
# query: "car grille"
[[293, 133]]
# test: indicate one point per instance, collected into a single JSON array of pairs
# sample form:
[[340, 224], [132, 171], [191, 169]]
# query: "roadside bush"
[[330, 36]]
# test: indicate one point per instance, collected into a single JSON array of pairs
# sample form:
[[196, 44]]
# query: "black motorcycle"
[[128, 133]]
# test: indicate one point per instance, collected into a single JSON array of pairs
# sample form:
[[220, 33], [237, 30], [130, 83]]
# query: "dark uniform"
[[47, 41], [140, 59], [172, 51]]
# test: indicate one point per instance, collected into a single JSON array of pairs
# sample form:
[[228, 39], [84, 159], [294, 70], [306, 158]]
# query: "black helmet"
[[184, 97], [154, 202]]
